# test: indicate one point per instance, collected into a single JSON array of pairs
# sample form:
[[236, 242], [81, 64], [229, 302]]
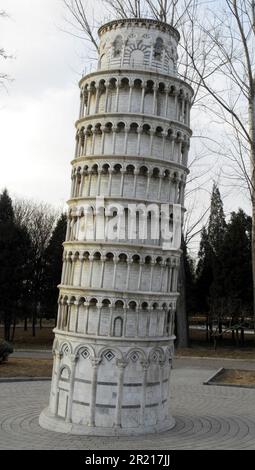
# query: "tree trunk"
[[13, 329], [34, 316], [25, 323], [252, 161], [7, 327], [237, 337], [242, 336], [181, 311], [233, 337], [220, 331]]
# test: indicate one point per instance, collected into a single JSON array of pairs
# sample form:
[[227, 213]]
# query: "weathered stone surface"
[[115, 331]]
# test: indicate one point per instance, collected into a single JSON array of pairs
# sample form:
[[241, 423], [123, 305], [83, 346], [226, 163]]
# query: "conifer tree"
[[14, 245], [53, 269]]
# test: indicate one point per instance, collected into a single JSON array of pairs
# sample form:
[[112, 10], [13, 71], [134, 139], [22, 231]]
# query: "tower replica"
[[115, 330]]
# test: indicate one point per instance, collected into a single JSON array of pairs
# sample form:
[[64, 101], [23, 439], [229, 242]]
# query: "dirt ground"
[[236, 377], [24, 339]]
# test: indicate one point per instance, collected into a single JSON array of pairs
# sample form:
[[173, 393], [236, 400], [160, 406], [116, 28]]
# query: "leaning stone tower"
[[115, 331]]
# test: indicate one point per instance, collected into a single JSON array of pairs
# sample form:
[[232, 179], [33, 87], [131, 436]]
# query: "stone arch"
[[140, 355], [67, 372], [158, 48], [65, 348], [118, 46], [81, 347], [115, 354], [118, 326]]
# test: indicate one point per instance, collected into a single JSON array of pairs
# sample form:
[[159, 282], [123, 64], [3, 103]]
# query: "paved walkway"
[[207, 417]]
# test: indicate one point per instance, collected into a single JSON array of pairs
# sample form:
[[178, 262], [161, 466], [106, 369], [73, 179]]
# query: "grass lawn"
[[24, 367]]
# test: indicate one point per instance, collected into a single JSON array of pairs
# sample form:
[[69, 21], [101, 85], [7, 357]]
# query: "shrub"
[[5, 350]]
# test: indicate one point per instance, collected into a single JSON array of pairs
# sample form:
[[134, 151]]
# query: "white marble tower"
[[115, 332]]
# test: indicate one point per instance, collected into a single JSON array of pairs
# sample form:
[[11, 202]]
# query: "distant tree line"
[[31, 238], [219, 285]]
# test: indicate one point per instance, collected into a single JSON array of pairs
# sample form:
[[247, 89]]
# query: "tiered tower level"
[[115, 330]]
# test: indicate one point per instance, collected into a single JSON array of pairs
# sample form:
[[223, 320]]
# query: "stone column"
[[76, 146], [145, 366], [122, 181], [121, 365], [77, 303], [130, 97], [161, 274], [91, 258], [167, 89], [86, 305], [81, 104], [175, 105], [115, 261], [114, 130], [82, 183], [73, 260], [136, 173], [81, 259], [161, 378], [99, 307], [95, 364], [160, 185], [89, 182], [139, 133], [164, 136], [110, 332], [153, 263], [58, 357], [97, 98], [148, 183], [141, 264], [126, 140], [103, 260], [155, 93], [99, 174], [63, 269], [110, 181], [129, 262], [107, 85], [94, 133], [73, 360], [89, 100], [117, 96], [142, 99], [152, 133], [104, 130]]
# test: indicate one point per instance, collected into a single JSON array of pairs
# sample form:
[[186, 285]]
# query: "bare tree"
[[39, 220], [80, 22], [230, 29], [3, 54]]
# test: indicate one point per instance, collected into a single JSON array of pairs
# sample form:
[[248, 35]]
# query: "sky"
[[39, 108], [40, 105]]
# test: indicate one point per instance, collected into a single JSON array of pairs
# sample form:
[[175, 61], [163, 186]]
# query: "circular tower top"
[[138, 44]]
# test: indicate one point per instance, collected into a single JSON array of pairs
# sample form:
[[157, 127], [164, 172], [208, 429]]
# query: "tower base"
[[53, 423]]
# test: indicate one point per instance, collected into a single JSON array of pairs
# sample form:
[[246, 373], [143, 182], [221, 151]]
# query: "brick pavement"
[[207, 417]]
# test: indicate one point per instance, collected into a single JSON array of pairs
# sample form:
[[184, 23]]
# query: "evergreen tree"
[[53, 269], [210, 285], [14, 244], [217, 223], [237, 266], [204, 273]]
